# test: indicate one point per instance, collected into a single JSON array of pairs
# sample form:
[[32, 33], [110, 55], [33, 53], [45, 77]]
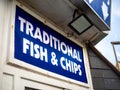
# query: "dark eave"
[[104, 59]]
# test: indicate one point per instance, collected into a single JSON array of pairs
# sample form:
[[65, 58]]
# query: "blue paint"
[[57, 58], [97, 5]]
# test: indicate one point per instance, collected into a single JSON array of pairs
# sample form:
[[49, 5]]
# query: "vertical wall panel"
[[103, 76], [7, 82]]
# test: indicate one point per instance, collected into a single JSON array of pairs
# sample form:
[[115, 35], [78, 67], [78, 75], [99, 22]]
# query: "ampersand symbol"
[[54, 61]]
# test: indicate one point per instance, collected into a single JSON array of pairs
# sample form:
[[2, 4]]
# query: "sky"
[[105, 46]]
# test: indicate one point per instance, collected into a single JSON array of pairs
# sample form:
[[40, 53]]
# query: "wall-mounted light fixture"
[[80, 24]]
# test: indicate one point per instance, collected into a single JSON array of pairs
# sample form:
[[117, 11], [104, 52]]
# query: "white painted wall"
[[18, 75]]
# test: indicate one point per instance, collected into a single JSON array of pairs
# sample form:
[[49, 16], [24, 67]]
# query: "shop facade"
[[39, 51]]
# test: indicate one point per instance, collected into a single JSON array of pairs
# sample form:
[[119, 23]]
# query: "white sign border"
[[11, 60]]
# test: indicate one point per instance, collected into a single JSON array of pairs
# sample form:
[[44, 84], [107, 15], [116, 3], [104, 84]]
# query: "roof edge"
[[104, 59]]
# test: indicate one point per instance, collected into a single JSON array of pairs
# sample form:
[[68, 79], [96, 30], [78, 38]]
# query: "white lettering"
[[22, 22], [34, 50], [62, 60], [37, 53], [63, 47], [43, 54], [26, 44], [70, 66], [51, 42], [75, 68], [38, 34], [69, 51], [55, 42], [45, 38], [31, 49], [29, 29], [78, 57]]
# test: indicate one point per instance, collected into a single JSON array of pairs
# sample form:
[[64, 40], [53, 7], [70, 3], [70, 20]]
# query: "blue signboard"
[[39, 45], [102, 8]]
